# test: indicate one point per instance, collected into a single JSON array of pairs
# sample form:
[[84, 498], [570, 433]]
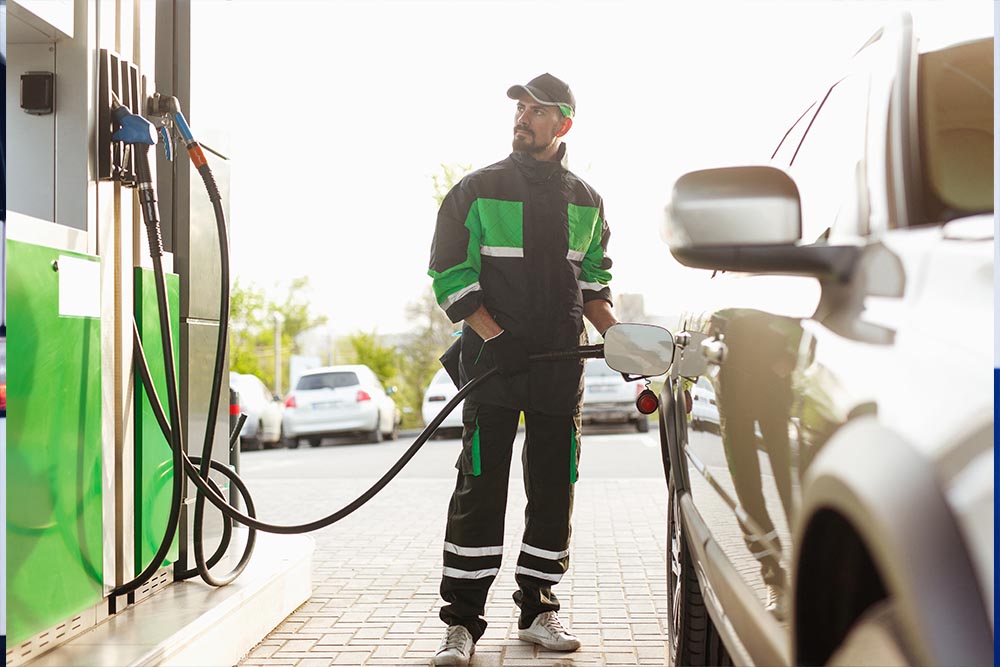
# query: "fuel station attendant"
[[520, 254]]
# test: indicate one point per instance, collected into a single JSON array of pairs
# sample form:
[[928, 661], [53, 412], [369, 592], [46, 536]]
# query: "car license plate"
[[326, 405]]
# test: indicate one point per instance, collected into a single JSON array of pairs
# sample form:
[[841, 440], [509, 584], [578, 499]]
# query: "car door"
[[747, 335]]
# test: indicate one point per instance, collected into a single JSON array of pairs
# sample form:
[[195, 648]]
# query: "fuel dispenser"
[[90, 476]]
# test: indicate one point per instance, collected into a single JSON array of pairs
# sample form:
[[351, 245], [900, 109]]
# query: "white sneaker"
[[777, 602], [548, 631], [456, 648]]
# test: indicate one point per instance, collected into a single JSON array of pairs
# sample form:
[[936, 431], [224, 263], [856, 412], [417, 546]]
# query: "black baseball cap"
[[547, 89]]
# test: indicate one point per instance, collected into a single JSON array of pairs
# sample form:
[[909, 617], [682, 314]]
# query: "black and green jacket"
[[528, 240]]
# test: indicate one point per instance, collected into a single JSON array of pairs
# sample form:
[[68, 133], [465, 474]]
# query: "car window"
[[599, 368], [782, 155], [328, 380], [828, 164], [956, 129]]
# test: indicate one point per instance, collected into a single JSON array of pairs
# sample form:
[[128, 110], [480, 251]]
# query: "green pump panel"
[[154, 474], [54, 500]]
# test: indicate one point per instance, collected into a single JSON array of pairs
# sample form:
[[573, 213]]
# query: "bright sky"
[[339, 113]]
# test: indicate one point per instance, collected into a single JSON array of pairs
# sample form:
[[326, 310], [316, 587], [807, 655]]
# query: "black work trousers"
[[473, 543]]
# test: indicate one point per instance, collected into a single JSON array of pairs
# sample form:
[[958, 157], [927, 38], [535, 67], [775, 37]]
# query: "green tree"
[[419, 355], [445, 181], [384, 361], [252, 328]]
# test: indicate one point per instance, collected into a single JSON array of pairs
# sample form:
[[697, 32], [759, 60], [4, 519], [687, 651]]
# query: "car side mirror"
[[389, 391], [645, 350], [747, 219], [733, 206]]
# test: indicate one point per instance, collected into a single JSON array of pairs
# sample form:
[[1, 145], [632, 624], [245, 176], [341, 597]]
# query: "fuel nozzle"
[[162, 105], [132, 129], [140, 134]]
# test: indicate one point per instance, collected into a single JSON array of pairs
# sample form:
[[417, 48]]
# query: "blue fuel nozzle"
[[132, 129]]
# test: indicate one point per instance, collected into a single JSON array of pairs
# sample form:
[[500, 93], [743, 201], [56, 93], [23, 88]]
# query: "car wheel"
[[291, 443], [315, 442], [250, 444], [375, 435], [691, 637], [874, 639], [642, 424]]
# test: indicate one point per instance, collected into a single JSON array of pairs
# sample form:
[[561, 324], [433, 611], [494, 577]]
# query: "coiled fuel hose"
[[197, 468]]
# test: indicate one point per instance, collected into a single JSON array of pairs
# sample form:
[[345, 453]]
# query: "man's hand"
[[509, 354]]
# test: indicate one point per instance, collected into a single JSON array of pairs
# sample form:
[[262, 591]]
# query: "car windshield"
[[599, 368], [956, 127], [328, 380]]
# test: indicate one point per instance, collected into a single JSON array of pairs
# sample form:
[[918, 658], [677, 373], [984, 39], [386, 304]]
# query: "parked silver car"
[[609, 399], [263, 409], [339, 400], [855, 277]]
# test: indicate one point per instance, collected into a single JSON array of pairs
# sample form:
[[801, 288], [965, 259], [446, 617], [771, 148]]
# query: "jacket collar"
[[538, 171]]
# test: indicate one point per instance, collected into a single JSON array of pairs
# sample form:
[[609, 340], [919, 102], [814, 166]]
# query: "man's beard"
[[525, 145]]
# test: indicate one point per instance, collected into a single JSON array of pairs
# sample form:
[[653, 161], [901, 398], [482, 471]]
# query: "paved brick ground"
[[376, 577]]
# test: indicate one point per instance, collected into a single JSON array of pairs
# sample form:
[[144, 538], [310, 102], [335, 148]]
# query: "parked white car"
[[262, 427], [339, 400], [441, 390], [609, 399], [843, 513]]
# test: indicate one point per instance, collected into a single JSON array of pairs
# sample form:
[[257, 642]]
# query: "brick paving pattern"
[[376, 576]]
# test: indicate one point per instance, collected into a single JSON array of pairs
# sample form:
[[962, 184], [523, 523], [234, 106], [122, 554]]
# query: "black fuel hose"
[[207, 489], [216, 498]]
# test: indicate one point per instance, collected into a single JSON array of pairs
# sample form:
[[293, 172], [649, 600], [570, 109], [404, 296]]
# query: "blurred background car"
[[704, 413], [441, 390], [339, 400], [609, 399], [262, 429]]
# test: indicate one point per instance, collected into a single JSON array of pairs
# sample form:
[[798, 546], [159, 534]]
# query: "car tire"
[[291, 443], [874, 639], [692, 639], [375, 435], [315, 442], [642, 424], [251, 444]]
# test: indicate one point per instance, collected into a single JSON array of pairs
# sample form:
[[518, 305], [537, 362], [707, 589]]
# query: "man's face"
[[535, 125]]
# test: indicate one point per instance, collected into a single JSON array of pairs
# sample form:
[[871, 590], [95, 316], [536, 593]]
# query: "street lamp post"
[[278, 319]]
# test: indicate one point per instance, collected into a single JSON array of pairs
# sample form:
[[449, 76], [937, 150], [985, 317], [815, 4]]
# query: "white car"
[[704, 413], [339, 400], [843, 513], [438, 393], [609, 399], [262, 427]]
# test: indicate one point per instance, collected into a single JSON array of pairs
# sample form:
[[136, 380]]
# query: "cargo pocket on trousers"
[[470, 460]]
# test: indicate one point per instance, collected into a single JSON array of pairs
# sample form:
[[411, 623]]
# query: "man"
[[519, 255]]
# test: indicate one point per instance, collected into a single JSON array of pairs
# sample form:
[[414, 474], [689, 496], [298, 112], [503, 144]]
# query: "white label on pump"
[[79, 287]]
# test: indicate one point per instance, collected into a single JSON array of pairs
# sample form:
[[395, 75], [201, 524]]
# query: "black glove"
[[509, 355]]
